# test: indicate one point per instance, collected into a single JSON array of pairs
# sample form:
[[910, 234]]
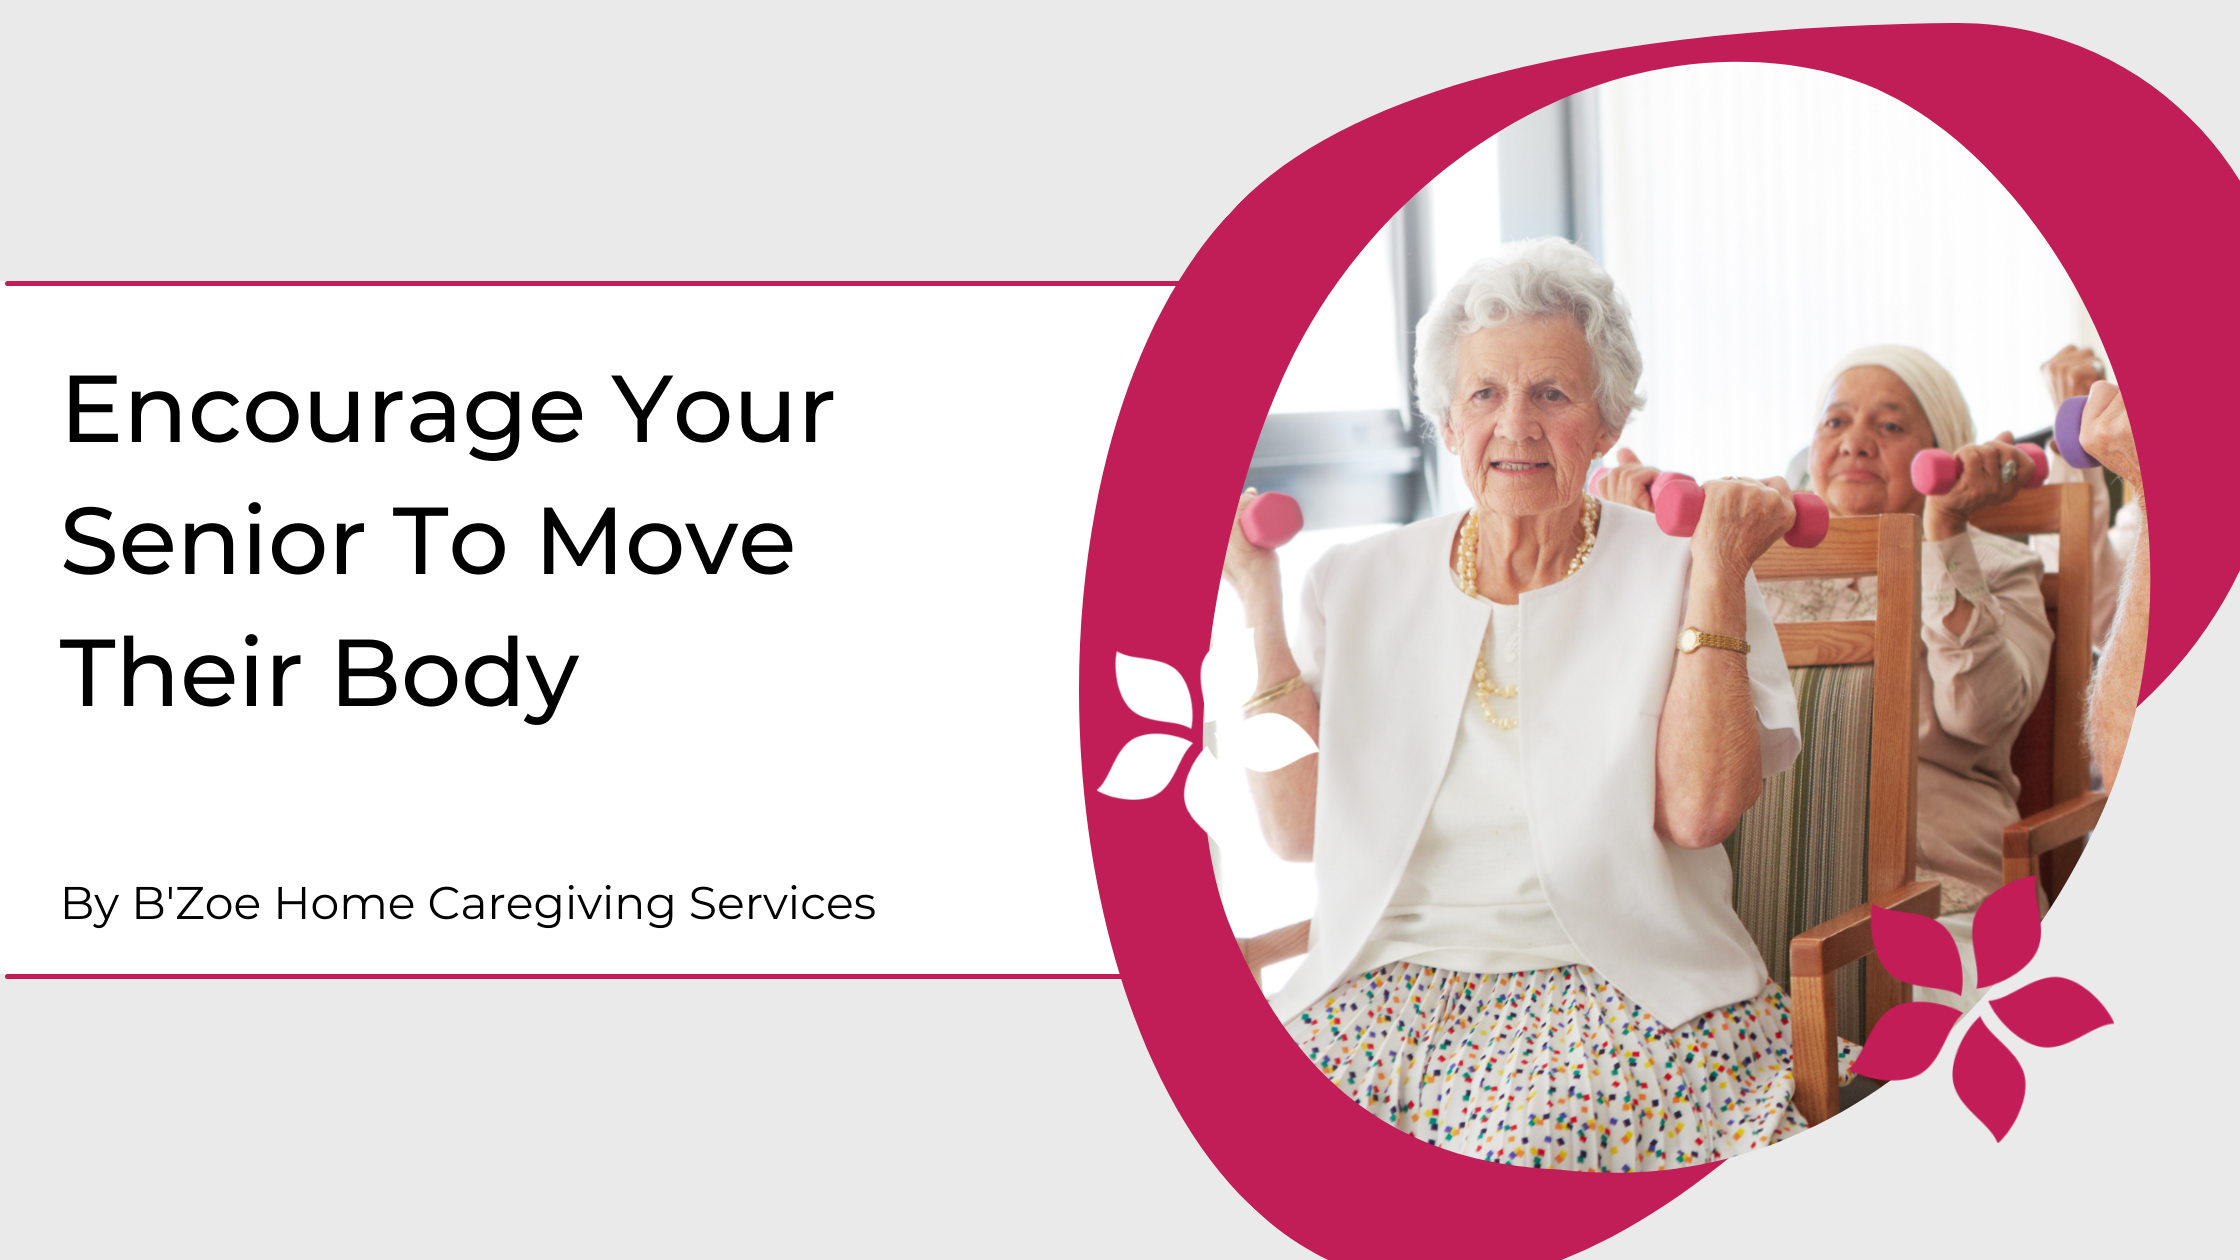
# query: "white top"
[[1470, 898], [1387, 643]]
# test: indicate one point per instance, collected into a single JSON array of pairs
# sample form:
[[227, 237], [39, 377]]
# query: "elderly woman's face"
[[1862, 456], [1524, 418]]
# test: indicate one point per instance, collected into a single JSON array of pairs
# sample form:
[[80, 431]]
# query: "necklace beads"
[[1466, 579]]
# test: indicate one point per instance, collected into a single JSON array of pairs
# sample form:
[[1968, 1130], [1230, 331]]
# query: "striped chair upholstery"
[[1800, 853]]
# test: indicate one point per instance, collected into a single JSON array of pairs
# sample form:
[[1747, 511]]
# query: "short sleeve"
[[1770, 691]]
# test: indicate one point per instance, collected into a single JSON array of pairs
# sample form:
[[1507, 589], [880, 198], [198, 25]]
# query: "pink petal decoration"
[[2051, 1012], [1905, 1041], [1916, 949], [1987, 1078], [2006, 932]]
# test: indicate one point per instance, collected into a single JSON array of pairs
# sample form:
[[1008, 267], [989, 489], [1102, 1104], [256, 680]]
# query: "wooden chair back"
[[2050, 756], [1887, 548]]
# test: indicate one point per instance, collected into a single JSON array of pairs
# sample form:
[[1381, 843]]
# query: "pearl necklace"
[[1466, 578]]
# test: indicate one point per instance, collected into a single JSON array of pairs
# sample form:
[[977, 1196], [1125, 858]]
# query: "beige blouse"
[[1977, 689]]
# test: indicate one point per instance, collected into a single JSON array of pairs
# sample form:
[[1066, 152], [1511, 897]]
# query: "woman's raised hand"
[[1990, 474], [2106, 433], [1625, 479], [1252, 570], [1741, 518], [2070, 372]]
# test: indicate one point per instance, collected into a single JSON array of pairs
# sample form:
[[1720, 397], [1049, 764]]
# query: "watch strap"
[[1704, 639]]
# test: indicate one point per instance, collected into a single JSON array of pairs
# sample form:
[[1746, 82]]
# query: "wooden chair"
[[2050, 758], [1269, 948], [1836, 832]]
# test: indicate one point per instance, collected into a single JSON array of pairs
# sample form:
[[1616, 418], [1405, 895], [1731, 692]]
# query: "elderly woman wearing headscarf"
[[1983, 617], [1537, 721]]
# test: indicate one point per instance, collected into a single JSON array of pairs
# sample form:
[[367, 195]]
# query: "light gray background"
[[666, 141], [662, 141]]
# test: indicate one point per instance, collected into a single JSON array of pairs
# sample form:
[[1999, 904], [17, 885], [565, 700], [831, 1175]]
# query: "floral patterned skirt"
[[1556, 1068]]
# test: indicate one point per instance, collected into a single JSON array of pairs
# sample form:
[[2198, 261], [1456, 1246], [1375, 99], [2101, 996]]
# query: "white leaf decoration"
[[1153, 689], [1228, 674], [1200, 795], [1270, 741], [1146, 765]]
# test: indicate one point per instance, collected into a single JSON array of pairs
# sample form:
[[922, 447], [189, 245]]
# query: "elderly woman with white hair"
[[1537, 720], [1985, 635]]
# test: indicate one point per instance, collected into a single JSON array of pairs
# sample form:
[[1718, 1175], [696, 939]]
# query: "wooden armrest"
[[1848, 937], [2050, 828], [1274, 947], [1814, 955]]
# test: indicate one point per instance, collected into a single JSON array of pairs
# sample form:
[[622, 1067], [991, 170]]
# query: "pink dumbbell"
[[1678, 501], [1271, 520], [2068, 433], [1935, 472]]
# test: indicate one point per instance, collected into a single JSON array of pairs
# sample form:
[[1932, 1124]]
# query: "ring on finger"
[[2006, 471]]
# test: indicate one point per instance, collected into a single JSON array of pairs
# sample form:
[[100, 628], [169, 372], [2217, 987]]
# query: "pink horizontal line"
[[550, 975], [609, 284]]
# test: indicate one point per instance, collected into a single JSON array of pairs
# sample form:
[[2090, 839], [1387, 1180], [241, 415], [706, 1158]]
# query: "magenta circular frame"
[[1294, 1147]]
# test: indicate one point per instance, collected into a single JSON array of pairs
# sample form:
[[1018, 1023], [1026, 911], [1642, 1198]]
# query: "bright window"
[[1766, 220]]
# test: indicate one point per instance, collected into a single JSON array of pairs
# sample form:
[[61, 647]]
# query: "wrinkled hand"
[[1625, 479], [2070, 372], [1740, 520], [2106, 434], [1980, 485], [1252, 570]]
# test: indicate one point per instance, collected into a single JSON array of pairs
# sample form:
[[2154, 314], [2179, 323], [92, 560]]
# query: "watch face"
[[1688, 640]]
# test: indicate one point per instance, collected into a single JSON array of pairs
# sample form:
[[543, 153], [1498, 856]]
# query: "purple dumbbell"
[[2068, 433]]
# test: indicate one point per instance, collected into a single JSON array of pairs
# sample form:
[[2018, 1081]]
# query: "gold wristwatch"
[[1692, 638]]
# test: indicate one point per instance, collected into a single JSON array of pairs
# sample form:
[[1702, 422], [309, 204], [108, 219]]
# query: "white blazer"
[[1389, 644]]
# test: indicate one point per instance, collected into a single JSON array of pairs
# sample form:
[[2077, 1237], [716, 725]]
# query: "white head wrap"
[[1932, 386]]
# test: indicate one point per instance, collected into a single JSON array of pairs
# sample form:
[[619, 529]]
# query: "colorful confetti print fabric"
[[1556, 1068]]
